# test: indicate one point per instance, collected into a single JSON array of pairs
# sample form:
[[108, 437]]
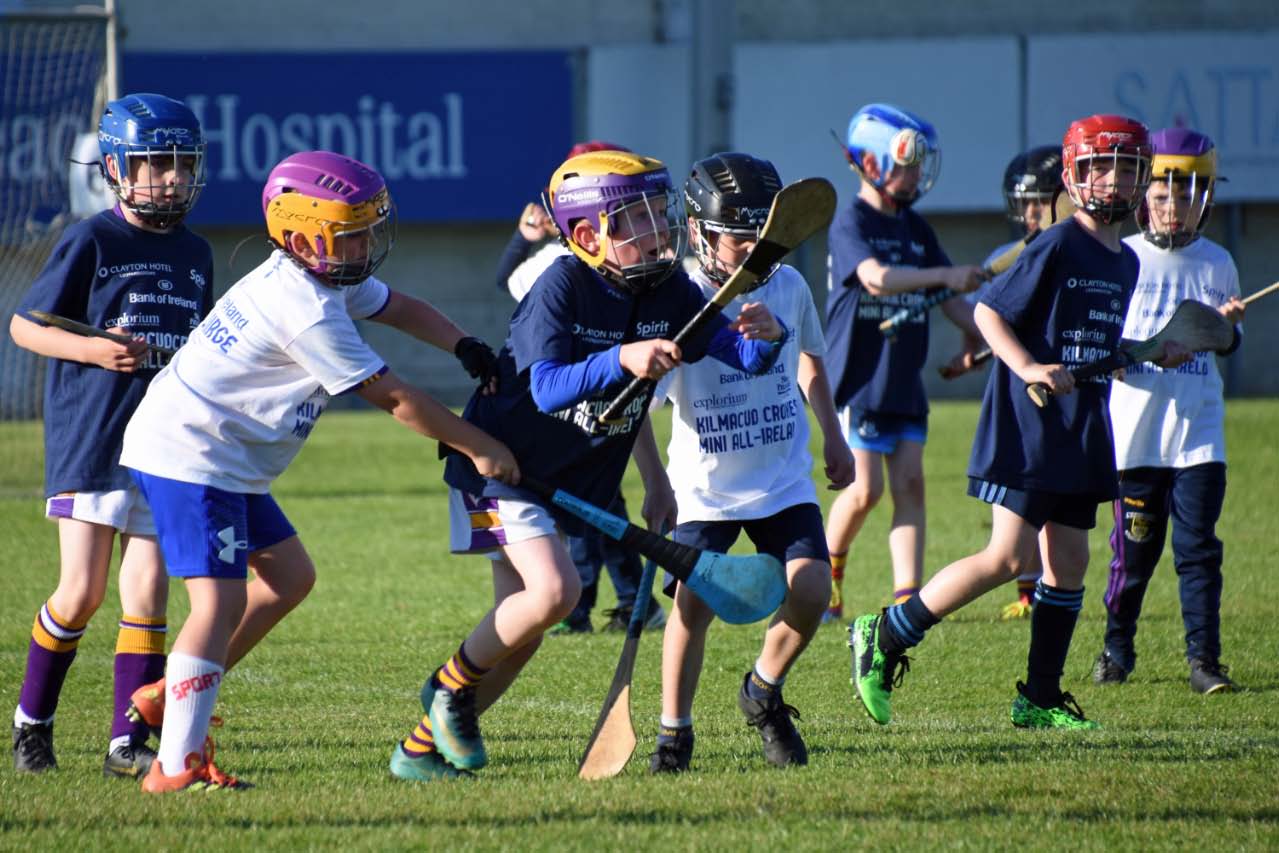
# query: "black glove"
[[478, 359]]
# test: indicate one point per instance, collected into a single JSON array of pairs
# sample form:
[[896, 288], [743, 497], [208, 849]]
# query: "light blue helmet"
[[164, 133], [895, 138]]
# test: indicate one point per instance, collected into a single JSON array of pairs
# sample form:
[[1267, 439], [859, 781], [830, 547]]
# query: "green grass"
[[313, 713]]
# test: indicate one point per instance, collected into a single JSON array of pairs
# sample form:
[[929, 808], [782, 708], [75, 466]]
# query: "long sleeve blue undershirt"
[[556, 385]]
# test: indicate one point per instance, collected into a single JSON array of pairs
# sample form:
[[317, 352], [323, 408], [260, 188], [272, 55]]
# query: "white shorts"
[[124, 509], [479, 525]]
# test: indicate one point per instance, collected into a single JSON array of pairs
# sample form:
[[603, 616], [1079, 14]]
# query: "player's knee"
[[300, 584], [908, 489], [809, 587], [863, 496], [558, 596]]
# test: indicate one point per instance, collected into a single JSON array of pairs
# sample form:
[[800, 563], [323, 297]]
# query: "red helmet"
[[1110, 139]]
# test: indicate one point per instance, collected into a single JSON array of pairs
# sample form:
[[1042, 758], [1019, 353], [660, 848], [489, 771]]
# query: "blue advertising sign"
[[459, 136]]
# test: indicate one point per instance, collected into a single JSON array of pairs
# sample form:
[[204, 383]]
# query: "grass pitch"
[[312, 714]]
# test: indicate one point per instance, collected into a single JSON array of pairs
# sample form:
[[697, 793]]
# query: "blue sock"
[[1052, 624], [903, 625]]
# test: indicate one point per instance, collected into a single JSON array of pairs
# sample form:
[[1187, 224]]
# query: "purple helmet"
[[1183, 178], [340, 205], [630, 203]]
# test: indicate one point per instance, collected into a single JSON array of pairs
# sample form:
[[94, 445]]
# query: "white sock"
[[22, 718], [117, 742], [675, 722], [192, 685]]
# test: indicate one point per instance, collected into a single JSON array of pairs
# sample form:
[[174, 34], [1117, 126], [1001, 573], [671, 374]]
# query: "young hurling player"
[[1168, 424], [1031, 182], [1060, 305], [517, 270], [137, 271], [739, 461], [883, 255], [232, 409], [592, 321]]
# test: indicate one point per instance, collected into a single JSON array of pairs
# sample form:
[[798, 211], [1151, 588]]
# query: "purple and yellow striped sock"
[[902, 595], [54, 641], [421, 741], [458, 672], [139, 660]]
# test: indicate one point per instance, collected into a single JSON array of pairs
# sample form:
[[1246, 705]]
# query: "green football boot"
[[428, 767], [1066, 714], [875, 673], [455, 724]]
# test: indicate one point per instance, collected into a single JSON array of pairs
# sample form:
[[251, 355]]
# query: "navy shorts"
[[880, 433], [795, 533], [206, 532], [1039, 508]]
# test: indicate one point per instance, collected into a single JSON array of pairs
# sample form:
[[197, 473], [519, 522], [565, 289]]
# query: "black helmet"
[[1034, 175], [727, 193]]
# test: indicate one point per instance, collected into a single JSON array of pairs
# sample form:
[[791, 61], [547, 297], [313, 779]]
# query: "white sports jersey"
[[521, 280], [1172, 418], [233, 407], [739, 443]]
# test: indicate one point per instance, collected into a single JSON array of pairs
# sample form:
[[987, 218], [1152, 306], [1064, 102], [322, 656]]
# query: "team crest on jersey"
[[1138, 526]]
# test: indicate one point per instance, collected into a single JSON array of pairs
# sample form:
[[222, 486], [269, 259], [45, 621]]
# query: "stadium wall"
[[986, 117]]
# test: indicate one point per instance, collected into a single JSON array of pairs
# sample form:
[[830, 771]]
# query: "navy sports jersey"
[[570, 314], [868, 371], [1066, 298], [108, 273]]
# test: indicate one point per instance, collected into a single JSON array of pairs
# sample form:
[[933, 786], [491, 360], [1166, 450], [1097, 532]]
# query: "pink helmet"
[[340, 205]]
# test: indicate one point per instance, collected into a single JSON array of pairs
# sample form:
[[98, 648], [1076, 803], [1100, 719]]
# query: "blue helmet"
[[164, 134], [896, 138]]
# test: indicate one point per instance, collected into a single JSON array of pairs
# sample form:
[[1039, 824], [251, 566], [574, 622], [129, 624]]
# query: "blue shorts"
[[1039, 508], [879, 433], [206, 532], [795, 533]]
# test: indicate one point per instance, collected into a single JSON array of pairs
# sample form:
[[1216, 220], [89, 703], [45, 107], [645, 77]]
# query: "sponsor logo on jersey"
[[164, 284], [197, 278]]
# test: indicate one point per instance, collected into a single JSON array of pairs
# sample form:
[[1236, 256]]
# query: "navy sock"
[[758, 687], [903, 625], [1052, 624], [670, 735]]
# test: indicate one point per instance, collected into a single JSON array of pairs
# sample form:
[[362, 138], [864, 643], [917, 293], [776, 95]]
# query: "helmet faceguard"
[[898, 140], [1102, 145], [730, 194], [156, 149], [628, 201], [342, 208], [1032, 176], [1175, 208]]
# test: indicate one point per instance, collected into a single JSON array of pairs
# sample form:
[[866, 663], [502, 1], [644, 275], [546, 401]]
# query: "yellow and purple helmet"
[[1185, 164], [341, 206], [629, 200]]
